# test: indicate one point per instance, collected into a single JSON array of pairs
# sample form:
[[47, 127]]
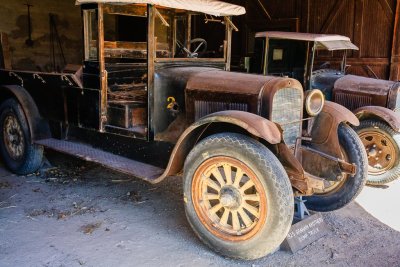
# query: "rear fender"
[[39, 128], [379, 113]]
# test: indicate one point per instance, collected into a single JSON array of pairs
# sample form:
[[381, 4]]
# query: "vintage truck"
[[375, 102], [153, 99]]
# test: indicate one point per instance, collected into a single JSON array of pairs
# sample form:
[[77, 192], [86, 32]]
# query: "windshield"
[[189, 35], [178, 34]]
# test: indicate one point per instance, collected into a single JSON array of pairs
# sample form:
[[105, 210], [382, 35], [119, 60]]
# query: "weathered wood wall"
[[369, 24], [39, 56]]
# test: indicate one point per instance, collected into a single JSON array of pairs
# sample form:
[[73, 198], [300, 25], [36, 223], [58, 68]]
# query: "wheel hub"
[[230, 197]]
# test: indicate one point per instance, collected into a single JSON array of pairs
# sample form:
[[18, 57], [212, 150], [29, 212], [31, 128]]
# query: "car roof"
[[211, 7], [327, 41]]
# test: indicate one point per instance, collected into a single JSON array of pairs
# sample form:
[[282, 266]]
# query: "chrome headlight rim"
[[311, 97]]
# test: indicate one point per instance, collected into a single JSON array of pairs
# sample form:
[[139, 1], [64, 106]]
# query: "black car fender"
[[38, 127]]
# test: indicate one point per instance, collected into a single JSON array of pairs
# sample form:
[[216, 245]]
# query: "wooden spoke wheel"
[[238, 197], [380, 150], [228, 198], [16, 148], [13, 137]]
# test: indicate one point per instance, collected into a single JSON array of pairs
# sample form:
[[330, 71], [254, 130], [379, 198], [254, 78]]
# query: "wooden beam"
[[395, 60], [102, 69], [151, 57], [387, 9], [5, 56], [332, 15], [358, 26]]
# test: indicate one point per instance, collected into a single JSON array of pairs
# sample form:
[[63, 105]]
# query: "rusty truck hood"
[[369, 91], [216, 90]]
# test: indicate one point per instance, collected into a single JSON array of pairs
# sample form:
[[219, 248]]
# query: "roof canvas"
[[211, 7], [325, 41]]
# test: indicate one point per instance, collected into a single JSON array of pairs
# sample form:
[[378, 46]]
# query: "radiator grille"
[[351, 101], [203, 108], [287, 109]]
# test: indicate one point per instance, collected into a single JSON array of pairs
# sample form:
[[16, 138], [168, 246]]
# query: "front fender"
[[251, 123], [324, 131], [325, 139], [380, 113]]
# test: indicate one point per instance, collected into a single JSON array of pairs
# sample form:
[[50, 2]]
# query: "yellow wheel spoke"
[[211, 196], [213, 184], [218, 176], [246, 186], [224, 218], [216, 208], [235, 221], [238, 177], [228, 174], [251, 209], [253, 197], [246, 219]]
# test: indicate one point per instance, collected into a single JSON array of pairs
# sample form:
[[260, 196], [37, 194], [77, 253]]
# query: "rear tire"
[[19, 154], [382, 144], [223, 216], [341, 193]]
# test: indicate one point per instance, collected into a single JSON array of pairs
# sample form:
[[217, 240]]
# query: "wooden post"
[[395, 61], [228, 48], [103, 73], [151, 56], [5, 52]]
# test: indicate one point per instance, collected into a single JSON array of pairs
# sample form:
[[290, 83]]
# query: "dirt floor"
[[80, 214]]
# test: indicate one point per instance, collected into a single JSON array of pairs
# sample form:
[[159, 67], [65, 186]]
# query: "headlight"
[[314, 102]]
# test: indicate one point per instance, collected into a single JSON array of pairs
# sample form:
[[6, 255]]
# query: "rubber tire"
[[33, 154], [279, 194], [383, 128], [353, 185]]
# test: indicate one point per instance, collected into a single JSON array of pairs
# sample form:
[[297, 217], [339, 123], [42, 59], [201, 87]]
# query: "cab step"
[[121, 164]]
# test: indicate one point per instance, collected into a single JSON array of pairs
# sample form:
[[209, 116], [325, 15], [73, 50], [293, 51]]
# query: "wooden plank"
[[358, 26], [103, 73], [395, 59], [151, 57], [332, 15], [228, 45], [387, 9], [5, 56]]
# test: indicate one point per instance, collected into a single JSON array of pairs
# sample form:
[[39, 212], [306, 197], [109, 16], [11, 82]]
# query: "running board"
[[118, 163]]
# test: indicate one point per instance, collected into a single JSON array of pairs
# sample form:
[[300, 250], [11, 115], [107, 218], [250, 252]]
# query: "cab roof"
[[210, 7], [324, 41]]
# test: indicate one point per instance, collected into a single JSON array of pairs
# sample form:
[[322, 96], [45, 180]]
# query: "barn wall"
[[369, 24], [14, 22]]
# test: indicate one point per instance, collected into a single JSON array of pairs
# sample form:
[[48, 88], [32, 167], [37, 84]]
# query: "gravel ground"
[[80, 214]]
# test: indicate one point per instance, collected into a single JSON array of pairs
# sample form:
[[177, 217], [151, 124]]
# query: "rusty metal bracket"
[[11, 74], [65, 78], [37, 76], [344, 166]]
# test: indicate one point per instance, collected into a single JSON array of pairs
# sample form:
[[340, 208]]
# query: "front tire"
[[238, 197], [382, 144], [19, 154], [339, 194]]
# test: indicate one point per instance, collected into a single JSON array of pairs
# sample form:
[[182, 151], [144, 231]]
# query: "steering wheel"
[[200, 47]]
